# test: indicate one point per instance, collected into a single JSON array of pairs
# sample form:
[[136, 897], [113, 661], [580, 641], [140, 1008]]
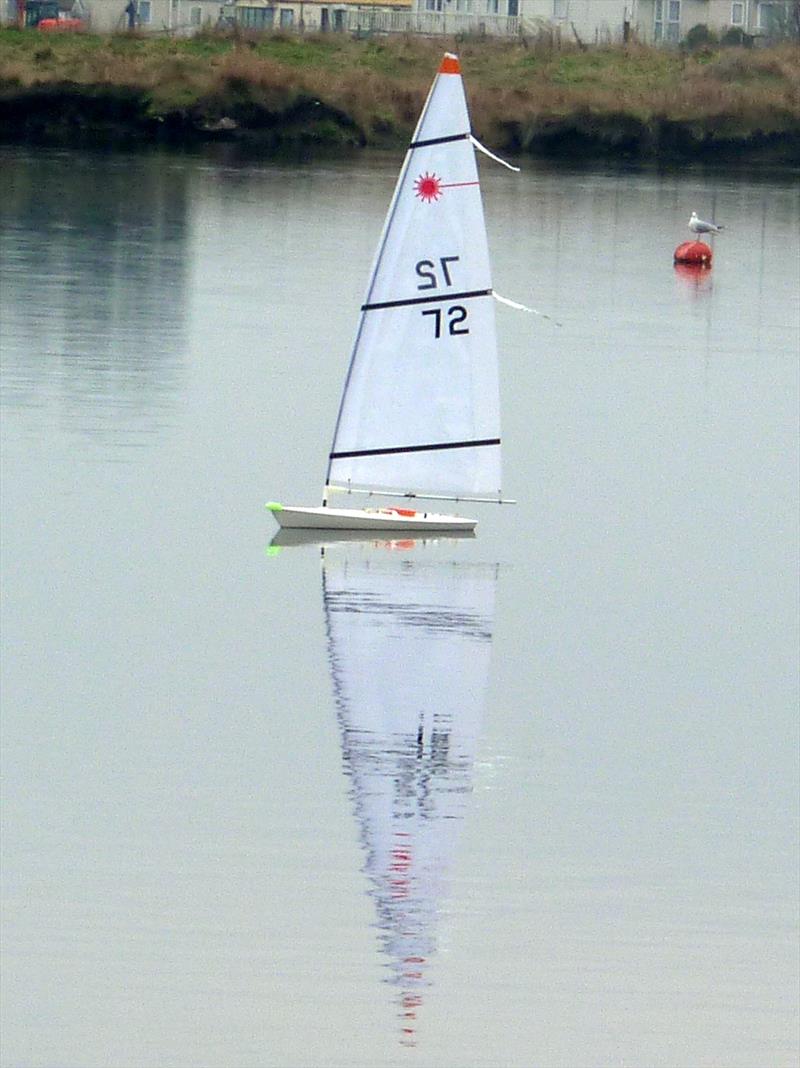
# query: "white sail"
[[420, 411], [409, 640]]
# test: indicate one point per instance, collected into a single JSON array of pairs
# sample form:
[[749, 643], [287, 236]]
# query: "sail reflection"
[[409, 640]]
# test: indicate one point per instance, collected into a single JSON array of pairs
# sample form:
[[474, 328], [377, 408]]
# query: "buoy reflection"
[[694, 277]]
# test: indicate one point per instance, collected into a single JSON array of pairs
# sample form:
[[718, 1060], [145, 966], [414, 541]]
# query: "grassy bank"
[[274, 91]]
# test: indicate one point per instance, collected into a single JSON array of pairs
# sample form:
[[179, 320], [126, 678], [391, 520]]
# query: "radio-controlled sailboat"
[[420, 411]]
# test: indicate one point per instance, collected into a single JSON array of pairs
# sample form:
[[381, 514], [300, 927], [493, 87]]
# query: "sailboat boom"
[[332, 488]]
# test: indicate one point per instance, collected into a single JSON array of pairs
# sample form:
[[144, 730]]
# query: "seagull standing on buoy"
[[699, 226]]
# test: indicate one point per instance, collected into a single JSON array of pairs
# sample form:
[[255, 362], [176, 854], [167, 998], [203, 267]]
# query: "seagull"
[[698, 226]]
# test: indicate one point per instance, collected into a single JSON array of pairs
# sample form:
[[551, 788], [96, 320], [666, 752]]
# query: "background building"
[[668, 21], [319, 16], [660, 22]]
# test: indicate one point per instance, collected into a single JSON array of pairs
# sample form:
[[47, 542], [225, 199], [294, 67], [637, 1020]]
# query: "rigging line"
[[440, 140], [524, 307], [426, 300], [456, 185], [415, 448], [482, 148]]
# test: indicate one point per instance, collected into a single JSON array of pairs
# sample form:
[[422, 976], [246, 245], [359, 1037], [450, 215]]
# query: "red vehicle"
[[62, 24], [54, 15]]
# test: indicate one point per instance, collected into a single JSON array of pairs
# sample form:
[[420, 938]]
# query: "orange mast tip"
[[450, 64]]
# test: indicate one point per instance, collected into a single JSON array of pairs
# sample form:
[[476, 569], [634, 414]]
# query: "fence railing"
[[430, 23]]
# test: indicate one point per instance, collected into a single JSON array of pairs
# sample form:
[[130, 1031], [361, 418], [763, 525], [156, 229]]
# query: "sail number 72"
[[454, 317], [445, 320]]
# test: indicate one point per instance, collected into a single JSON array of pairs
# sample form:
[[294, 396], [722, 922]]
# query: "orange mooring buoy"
[[695, 252]]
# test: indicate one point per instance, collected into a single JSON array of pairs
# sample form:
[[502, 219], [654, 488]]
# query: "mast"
[[387, 222]]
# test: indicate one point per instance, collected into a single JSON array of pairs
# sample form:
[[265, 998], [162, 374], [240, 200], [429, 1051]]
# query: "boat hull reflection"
[[290, 537]]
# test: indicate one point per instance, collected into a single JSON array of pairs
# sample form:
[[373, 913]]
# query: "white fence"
[[430, 23], [365, 21]]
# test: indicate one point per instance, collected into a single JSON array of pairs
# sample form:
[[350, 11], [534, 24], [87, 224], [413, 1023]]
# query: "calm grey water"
[[524, 800]]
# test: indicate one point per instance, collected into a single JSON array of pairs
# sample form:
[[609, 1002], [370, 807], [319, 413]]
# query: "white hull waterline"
[[384, 519]]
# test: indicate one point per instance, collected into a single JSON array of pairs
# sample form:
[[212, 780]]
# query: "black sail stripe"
[[426, 300], [439, 140], [415, 448]]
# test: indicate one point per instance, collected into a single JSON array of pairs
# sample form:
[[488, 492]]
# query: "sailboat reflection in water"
[[409, 641]]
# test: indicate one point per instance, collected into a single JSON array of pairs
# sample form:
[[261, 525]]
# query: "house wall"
[[472, 8], [178, 16], [427, 17], [751, 16], [668, 21], [108, 16], [315, 16], [595, 21]]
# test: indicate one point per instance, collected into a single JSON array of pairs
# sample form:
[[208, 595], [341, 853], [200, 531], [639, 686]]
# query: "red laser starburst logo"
[[428, 187]]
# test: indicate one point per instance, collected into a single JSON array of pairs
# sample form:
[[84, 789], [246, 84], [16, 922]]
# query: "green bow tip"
[[274, 506]]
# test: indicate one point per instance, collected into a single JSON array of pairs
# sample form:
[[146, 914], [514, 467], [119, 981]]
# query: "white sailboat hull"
[[386, 519]]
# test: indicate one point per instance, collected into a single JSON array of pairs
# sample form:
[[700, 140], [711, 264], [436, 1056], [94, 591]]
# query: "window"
[[772, 16], [143, 11], [667, 26], [195, 16], [256, 18], [513, 7], [560, 9], [737, 13], [287, 18]]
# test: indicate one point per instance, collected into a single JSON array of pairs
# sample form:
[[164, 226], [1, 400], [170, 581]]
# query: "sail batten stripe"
[[438, 299], [439, 140], [434, 447]]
